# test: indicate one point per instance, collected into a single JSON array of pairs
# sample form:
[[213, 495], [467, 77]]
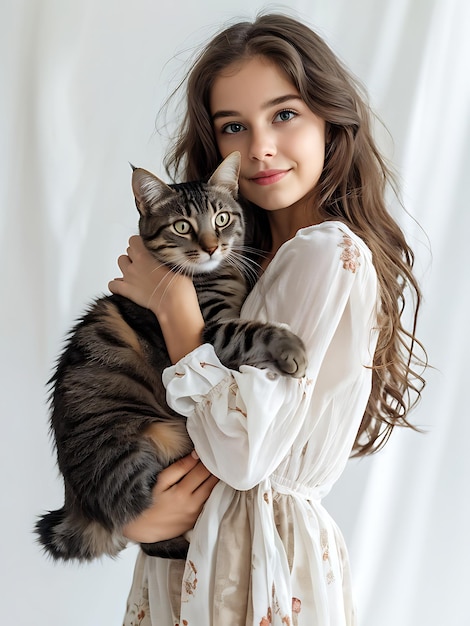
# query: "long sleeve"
[[322, 284]]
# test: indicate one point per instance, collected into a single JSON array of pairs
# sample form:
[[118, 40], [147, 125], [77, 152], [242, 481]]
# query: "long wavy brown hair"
[[352, 189]]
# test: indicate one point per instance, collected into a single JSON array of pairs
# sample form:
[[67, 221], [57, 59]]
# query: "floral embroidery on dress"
[[296, 605], [350, 254], [330, 577], [296, 608], [139, 610], [268, 618], [308, 382], [190, 578], [265, 621]]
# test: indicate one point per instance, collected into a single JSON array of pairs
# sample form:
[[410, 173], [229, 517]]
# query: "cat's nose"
[[209, 243]]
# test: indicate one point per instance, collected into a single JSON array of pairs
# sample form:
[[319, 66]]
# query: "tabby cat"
[[112, 428]]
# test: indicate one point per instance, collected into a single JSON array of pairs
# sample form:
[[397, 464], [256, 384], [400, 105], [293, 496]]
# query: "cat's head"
[[195, 226]]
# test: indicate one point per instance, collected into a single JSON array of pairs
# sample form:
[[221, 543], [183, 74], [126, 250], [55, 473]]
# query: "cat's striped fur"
[[112, 427]]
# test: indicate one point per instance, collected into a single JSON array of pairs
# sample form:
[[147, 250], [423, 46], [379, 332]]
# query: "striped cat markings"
[[110, 422]]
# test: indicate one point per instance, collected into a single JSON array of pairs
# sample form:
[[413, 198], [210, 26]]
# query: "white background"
[[81, 85]]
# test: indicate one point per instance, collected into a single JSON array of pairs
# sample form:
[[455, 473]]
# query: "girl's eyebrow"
[[265, 105]]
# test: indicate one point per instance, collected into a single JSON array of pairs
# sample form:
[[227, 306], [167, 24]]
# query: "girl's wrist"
[[181, 323], [139, 532], [176, 293]]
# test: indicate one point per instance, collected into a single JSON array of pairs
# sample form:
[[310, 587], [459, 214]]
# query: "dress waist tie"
[[293, 488]]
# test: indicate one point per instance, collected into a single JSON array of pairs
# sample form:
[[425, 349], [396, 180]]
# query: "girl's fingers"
[[179, 496], [136, 245], [136, 242], [195, 478], [123, 261], [205, 489], [187, 474], [115, 285], [175, 472]]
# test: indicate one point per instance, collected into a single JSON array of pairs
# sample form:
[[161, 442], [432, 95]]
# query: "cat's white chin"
[[205, 267]]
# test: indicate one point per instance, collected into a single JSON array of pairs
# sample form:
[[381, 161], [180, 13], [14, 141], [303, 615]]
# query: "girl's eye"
[[285, 116], [233, 128], [222, 220], [182, 227]]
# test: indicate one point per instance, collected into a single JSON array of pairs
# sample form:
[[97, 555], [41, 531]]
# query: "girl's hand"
[[170, 296], [145, 281], [178, 497]]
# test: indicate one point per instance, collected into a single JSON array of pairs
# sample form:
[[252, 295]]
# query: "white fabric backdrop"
[[81, 83]]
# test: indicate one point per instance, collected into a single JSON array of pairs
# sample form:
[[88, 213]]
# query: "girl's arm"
[[182, 488], [171, 297], [245, 423]]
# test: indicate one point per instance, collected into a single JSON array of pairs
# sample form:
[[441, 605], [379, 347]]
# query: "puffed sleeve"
[[322, 284]]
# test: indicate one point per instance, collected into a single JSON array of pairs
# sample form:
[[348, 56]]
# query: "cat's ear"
[[226, 175], [148, 189]]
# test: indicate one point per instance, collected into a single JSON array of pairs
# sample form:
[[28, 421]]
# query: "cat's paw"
[[289, 355]]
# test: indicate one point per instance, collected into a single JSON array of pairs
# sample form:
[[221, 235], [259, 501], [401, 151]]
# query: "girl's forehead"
[[253, 77]]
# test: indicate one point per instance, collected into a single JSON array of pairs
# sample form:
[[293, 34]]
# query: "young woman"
[[336, 269]]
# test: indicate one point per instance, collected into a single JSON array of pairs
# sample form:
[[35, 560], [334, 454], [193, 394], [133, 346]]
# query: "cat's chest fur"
[[113, 428]]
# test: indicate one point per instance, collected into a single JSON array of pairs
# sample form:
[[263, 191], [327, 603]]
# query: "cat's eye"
[[222, 219], [182, 227]]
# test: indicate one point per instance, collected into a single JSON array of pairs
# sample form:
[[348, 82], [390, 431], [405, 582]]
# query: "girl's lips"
[[269, 177]]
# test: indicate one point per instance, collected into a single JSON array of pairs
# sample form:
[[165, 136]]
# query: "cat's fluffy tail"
[[65, 536]]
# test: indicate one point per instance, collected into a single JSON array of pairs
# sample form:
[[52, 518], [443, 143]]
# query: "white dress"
[[264, 551]]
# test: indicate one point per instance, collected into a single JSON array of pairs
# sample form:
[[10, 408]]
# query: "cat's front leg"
[[243, 342]]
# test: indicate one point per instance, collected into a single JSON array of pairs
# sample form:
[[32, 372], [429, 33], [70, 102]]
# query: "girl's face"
[[256, 110]]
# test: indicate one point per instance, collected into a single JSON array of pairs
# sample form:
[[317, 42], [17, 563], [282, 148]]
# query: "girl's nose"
[[262, 145]]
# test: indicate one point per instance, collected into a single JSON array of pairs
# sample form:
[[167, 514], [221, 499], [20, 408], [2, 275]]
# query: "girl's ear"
[[226, 175], [148, 189]]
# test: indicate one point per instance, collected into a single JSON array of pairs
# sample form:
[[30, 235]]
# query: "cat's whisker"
[[240, 261], [154, 292], [249, 249], [240, 264], [247, 254], [157, 267], [183, 267], [249, 275], [180, 269], [245, 265], [249, 262]]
